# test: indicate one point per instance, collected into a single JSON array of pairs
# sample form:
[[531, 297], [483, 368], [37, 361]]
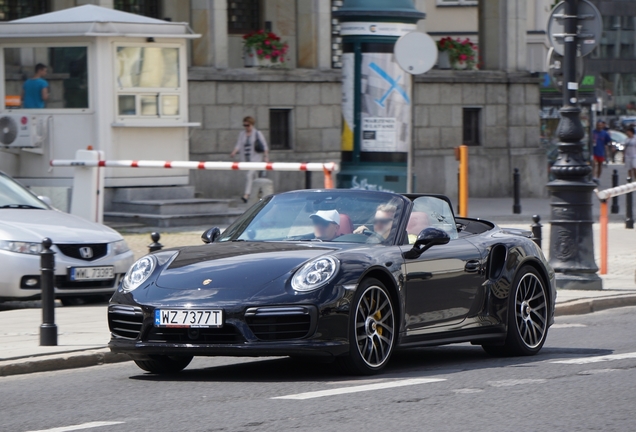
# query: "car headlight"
[[138, 273], [315, 274], [120, 247], [21, 247]]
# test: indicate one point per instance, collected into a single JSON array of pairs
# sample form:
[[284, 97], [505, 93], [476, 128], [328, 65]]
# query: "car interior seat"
[[346, 227]]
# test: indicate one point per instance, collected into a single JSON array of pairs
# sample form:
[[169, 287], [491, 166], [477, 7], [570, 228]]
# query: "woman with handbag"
[[251, 147]]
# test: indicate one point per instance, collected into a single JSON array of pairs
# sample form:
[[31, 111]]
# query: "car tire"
[[163, 364], [528, 316], [372, 329]]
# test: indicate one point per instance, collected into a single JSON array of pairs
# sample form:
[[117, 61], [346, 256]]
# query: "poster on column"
[[385, 105], [348, 72]]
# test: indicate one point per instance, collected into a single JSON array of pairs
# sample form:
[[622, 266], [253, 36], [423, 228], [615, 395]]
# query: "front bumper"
[[296, 329], [16, 267]]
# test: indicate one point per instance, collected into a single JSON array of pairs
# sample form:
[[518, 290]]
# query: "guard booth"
[[116, 81]]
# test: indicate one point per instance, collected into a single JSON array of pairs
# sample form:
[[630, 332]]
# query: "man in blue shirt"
[[601, 139], [35, 91]]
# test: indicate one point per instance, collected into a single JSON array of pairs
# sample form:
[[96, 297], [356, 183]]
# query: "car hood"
[[33, 225], [237, 266]]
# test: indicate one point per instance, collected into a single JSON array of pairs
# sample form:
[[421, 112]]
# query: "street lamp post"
[[571, 236]]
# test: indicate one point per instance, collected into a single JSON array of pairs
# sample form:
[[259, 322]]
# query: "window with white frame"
[[148, 81], [457, 2]]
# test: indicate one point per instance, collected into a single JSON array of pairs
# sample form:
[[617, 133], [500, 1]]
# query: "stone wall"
[[220, 99], [510, 132], [509, 126]]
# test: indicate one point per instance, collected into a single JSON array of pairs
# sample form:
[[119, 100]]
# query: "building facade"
[[298, 108]]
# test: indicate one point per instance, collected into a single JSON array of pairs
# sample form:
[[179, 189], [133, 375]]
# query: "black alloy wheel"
[[372, 329], [528, 315], [163, 364]]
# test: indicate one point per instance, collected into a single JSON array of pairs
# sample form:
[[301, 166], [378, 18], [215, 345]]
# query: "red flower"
[[259, 52], [261, 31], [462, 57], [267, 56], [267, 42]]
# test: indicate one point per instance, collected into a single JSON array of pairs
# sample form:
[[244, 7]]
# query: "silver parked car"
[[90, 258]]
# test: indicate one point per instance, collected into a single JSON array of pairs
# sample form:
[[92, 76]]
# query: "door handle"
[[472, 266]]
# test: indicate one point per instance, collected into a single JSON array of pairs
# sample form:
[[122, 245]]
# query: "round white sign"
[[416, 52]]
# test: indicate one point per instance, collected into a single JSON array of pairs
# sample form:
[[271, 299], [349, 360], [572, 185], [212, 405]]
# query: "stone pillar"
[[502, 34], [209, 19]]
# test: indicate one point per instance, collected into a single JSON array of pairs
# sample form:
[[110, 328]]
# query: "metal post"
[[516, 207], [463, 181], [155, 245], [603, 236], [629, 212], [307, 179], [571, 235], [48, 329], [537, 235], [615, 207]]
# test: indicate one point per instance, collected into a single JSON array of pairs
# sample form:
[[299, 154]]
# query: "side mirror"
[[211, 235], [426, 239]]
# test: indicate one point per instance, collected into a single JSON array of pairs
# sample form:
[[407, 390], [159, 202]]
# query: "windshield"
[[339, 215], [13, 195]]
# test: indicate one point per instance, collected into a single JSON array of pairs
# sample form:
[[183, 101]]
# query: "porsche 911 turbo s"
[[348, 275]]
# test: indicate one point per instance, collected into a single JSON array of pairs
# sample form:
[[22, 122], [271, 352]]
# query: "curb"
[[579, 307], [61, 362]]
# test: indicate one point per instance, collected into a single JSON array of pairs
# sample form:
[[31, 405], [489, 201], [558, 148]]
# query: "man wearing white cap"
[[326, 224]]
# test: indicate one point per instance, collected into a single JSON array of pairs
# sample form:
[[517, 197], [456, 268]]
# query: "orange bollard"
[[603, 223], [463, 181], [328, 178]]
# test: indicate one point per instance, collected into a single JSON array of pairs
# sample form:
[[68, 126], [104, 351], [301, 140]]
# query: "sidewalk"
[[83, 331]]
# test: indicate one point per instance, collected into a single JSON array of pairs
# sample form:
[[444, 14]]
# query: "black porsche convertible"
[[345, 274]]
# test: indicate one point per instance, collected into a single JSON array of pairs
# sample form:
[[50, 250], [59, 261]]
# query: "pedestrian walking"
[[601, 139], [251, 146], [629, 154]]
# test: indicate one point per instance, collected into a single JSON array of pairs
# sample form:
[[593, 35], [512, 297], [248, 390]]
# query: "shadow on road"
[[418, 362]]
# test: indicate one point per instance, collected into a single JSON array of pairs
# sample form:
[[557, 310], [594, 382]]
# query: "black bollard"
[[155, 245], [516, 207], [536, 230], [48, 329], [307, 179], [615, 209], [629, 215]]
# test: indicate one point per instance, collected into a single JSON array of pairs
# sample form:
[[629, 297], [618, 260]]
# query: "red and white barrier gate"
[[604, 196], [84, 162]]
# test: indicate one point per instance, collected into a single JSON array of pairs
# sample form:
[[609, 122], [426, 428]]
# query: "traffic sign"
[[589, 24], [415, 52]]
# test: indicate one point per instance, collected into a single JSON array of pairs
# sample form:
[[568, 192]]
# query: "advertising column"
[[376, 96]]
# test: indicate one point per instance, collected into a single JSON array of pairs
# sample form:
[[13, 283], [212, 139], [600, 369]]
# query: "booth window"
[[148, 81], [15, 9], [66, 78], [149, 8], [243, 16]]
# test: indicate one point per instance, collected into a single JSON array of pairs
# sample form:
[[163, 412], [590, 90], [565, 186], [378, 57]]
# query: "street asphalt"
[[83, 330]]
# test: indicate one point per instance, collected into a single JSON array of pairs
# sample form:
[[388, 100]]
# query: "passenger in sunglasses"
[[326, 224], [383, 221]]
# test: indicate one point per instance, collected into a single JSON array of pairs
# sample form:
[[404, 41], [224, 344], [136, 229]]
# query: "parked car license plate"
[[91, 273], [188, 318]]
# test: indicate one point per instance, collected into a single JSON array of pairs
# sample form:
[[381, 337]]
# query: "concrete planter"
[[443, 60]]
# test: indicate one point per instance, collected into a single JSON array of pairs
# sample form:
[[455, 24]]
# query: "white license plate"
[[188, 318], [91, 273]]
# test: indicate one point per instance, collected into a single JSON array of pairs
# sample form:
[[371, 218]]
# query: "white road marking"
[[567, 326], [467, 391], [597, 359], [362, 388], [515, 382], [597, 371], [80, 426]]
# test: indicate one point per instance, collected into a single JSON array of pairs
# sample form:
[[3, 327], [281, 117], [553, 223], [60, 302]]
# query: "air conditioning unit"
[[21, 130]]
